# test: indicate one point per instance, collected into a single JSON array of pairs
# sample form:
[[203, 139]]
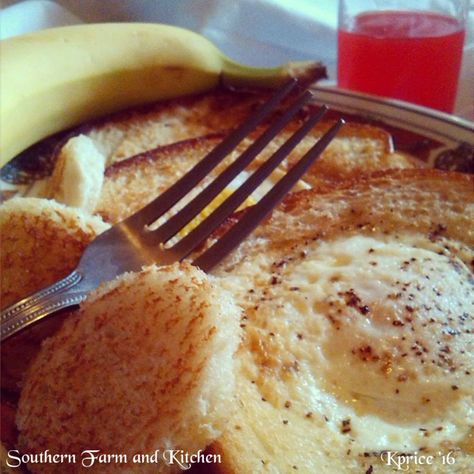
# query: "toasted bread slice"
[[133, 183], [146, 364], [140, 129], [358, 149], [357, 328], [42, 241]]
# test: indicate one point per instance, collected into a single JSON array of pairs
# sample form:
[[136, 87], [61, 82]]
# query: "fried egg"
[[360, 345]]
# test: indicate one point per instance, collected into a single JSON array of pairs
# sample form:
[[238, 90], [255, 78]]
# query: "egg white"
[[377, 332]]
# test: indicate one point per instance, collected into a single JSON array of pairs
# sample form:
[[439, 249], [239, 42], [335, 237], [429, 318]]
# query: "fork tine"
[[212, 256], [196, 205], [188, 243], [174, 193]]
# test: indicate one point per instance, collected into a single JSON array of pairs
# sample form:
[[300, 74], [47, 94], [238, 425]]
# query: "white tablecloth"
[[256, 32]]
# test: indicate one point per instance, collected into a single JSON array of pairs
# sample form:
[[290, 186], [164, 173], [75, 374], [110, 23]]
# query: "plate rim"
[[380, 108]]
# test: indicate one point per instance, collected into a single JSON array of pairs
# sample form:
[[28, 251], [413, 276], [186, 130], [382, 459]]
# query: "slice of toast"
[[357, 328], [137, 130], [132, 183], [145, 367], [42, 241]]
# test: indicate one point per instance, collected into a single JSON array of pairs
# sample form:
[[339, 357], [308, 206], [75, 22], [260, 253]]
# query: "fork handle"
[[50, 299]]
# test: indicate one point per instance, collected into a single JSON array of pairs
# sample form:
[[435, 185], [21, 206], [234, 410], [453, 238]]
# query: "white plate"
[[422, 120], [415, 129]]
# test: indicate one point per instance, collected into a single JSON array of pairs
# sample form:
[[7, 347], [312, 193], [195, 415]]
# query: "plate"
[[441, 140]]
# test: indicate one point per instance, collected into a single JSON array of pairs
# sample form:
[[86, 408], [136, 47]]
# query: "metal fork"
[[130, 244]]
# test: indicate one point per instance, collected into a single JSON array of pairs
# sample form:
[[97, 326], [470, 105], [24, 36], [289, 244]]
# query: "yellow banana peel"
[[54, 79]]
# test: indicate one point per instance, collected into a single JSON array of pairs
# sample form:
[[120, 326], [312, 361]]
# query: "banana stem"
[[238, 75]]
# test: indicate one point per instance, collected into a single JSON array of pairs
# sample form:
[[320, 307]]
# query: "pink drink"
[[412, 56]]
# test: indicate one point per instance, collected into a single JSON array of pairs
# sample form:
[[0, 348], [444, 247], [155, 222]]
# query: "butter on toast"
[[145, 367], [78, 174], [134, 182], [358, 317]]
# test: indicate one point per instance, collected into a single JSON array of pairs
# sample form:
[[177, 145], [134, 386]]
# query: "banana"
[[54, 79]]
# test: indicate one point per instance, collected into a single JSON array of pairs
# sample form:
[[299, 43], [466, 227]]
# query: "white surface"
[[256, 32], [33, 15]]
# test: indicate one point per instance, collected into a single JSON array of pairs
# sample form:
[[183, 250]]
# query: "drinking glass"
[[405, 49]]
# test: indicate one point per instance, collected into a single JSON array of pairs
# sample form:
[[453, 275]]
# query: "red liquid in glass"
[[412, 56]]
